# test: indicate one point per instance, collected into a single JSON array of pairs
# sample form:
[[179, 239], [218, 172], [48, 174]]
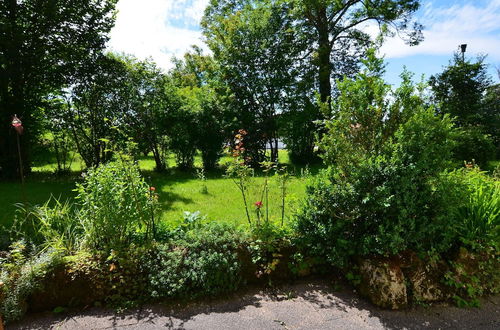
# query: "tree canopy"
[[43, 46]]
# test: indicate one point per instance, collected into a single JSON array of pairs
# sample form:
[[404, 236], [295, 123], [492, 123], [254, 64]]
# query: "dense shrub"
[[384, 191], [197, 262], [299, 130], [114, 202], [474, 146], [183, 138]]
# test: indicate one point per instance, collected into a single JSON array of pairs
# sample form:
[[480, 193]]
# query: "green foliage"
[[464, 91], [95, 105], [474, 146], [268, 242], [60, 141], [260, 62], [149, 101], [199, 261], [238, 170], [299, 130], [45, 45], [459, 90], [477, 216], [22, 273], [53, 225], [383, 192], [201, 122], [115, 202], [473, 274], [183, 139]]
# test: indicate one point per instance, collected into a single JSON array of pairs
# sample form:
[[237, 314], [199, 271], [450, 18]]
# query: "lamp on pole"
[[463, 48]]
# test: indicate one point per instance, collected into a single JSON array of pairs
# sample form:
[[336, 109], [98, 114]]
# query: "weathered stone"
[[383, 282], [424, 278]]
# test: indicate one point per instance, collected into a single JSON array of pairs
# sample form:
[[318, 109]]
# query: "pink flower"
[[258, 204]]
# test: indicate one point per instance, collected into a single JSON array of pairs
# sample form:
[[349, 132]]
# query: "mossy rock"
[[383, 282]]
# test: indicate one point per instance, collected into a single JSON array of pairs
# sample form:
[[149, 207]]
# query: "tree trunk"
[[160, 167], [324, 52]]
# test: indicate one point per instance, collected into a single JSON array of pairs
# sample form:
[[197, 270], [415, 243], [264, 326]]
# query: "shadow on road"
[[304, 305]]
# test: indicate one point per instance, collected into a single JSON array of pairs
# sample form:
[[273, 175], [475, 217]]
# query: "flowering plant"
[[238, 170]]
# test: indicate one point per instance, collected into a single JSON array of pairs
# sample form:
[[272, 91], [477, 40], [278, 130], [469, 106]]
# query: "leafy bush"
[[473, 273], [199, 261], [183, 138], [384, 191], [268, 242], [22, 274], [114, 203], [299, 130]]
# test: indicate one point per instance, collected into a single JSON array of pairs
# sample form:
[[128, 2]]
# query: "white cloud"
[[164, 28], [144, 28], [446, 28]]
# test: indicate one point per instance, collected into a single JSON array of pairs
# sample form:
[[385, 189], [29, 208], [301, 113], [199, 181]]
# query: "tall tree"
[[459, 90], [97, 102], [43, 43], [255, 43], [335, 28], [278, 53], [464, 90], [150, 101], [204, 118]]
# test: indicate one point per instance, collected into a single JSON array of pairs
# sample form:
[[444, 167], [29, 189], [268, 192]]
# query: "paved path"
[[300, 306]]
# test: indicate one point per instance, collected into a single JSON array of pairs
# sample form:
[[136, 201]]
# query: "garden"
[[122, 184]]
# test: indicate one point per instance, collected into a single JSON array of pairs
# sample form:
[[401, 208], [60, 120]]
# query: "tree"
[[98, 102], [42, 45], [491, 114], [255, 43], [459, 90], [151, 99], [365, 116], [464, 91], [279, 52], [383, 191], [203, 120], [335, 30]]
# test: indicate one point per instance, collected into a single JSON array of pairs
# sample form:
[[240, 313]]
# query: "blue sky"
[[161, 29]]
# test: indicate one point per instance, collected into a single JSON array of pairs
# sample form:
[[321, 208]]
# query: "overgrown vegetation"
[[390, 188], [403, 173]]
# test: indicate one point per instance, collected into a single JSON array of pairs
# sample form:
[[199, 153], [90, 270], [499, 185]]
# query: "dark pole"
[[21, 170], [151, 197]]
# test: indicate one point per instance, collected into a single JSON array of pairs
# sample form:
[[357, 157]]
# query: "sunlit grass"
[[178, 191]]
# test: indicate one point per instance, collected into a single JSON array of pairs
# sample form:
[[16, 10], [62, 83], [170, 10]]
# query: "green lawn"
[[178, 192]]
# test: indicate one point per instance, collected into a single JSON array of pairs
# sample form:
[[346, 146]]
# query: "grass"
[[178, 192]]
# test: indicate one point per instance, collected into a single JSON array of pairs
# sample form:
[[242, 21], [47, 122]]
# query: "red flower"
[[258, 204], [152, 189]]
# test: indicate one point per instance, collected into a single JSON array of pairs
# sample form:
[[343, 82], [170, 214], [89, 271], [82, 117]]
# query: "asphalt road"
[[313, 305]]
